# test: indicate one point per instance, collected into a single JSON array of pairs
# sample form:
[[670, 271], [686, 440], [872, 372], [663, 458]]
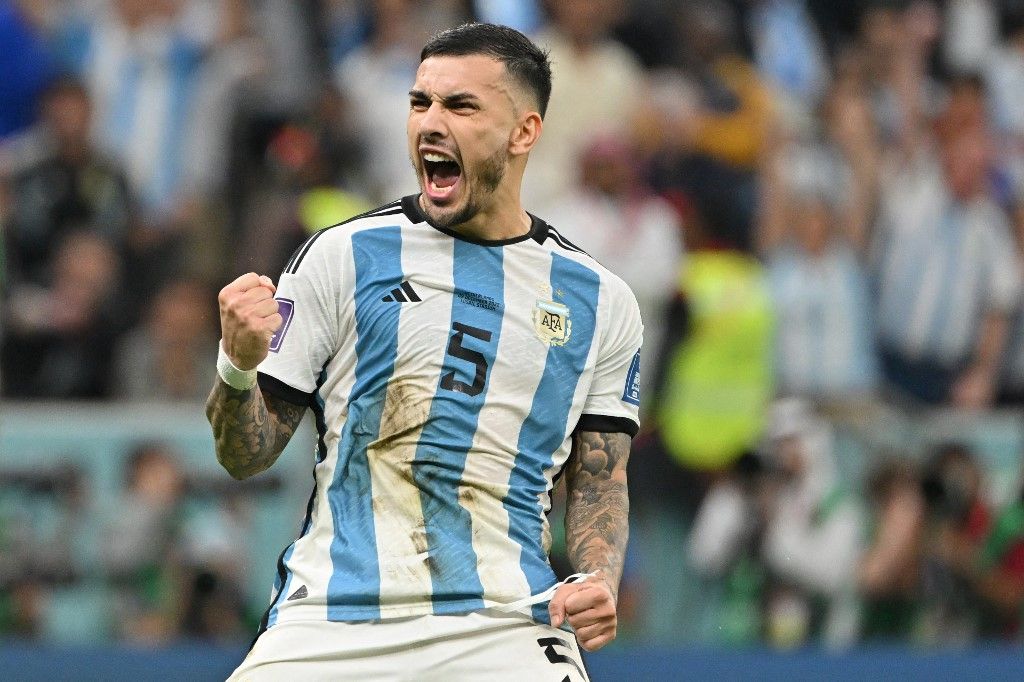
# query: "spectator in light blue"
[[948, 275], [146, 66], [812, 236], [819, 286], [788, 50]]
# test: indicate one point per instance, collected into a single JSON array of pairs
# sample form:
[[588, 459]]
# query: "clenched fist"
[[248, 319], [590, 609]]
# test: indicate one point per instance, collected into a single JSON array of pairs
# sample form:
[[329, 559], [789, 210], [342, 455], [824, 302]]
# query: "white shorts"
[[488, 646]]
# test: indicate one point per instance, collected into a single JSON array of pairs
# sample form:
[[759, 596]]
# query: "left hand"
[[589, 606]]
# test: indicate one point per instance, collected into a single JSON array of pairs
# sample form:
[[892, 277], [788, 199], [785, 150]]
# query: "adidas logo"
[[402, 294], [300, 593]]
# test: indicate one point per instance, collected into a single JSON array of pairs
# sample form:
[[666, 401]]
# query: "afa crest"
[[551, 322]]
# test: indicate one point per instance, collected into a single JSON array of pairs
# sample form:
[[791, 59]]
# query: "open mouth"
[[442, 175]]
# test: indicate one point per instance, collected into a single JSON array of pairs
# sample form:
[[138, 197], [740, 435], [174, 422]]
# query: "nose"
[[431, 122]]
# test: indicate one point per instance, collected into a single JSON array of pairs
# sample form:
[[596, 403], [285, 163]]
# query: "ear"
[[525, 134]]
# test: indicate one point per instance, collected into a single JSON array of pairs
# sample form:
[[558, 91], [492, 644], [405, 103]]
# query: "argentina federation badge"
[[551, 322]]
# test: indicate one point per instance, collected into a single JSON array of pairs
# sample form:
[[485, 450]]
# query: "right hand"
[[248, 319]]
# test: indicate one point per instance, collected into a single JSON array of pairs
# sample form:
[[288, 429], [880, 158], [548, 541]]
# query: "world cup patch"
[[285, 307], [631, 394]]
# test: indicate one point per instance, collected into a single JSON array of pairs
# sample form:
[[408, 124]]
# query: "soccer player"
[[459, 356]]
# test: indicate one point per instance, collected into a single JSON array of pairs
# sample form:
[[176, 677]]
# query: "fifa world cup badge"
[[551, 322]]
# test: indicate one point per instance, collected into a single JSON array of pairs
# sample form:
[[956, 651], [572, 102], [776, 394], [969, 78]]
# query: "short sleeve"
[[308, 301], [613, 402]]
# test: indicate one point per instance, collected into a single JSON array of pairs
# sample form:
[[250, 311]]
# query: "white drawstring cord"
[[542, 596]]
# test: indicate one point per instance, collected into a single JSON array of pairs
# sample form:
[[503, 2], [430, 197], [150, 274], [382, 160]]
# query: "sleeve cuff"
[[602, 423], [279, 389]]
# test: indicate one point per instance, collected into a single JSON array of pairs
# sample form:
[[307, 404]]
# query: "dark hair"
[[524, 61]]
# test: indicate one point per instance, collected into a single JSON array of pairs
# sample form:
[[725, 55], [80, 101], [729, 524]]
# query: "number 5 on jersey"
[[457, 350]]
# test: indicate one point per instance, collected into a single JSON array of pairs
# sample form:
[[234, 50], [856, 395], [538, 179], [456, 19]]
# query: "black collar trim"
[[538, 228]]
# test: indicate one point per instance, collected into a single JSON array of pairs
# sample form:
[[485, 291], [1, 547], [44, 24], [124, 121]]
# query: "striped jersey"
[[940, 267], [447, 376]]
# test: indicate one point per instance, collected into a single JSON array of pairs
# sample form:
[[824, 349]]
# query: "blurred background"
[[820, 208]]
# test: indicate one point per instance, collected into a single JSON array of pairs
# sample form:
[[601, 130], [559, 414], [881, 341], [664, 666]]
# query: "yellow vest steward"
[[719, 379]]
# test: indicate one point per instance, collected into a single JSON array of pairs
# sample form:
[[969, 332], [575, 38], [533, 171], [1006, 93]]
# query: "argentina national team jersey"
[[447, 377]]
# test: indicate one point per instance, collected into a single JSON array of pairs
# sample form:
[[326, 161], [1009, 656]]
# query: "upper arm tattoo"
[[597, 506], [250, 427]]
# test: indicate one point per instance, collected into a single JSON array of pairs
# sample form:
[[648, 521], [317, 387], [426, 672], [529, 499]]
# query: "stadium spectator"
[[958, 520], [896, 42], [1011, 377], [142, 553], [599, 84], [724, 547], [947, 274], [707, 122], [39, 525], [214, 571], [145, 64], [812, 535], [713, 380], [58, 338], [72, 186], [816, 199], [889, 571], [168, 356]]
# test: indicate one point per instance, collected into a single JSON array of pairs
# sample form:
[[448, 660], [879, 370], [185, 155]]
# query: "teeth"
[[435, 157]]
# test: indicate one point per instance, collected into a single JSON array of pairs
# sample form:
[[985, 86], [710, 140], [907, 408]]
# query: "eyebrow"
[[448, 100]]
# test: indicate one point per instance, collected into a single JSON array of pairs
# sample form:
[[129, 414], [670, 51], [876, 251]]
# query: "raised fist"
[[248, 319]]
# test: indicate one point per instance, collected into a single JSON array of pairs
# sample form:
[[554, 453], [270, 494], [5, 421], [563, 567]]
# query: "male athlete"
[[459, 356]]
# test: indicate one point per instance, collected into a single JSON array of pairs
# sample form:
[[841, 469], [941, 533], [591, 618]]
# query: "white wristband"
[[239, 379]]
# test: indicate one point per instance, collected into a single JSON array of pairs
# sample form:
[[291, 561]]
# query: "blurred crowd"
[[162, 559], [819, 206]]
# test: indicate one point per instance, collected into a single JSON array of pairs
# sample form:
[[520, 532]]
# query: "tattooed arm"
[[596, 529], [597, 505], [250, 428]]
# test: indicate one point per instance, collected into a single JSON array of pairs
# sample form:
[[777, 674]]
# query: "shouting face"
[[463, 117]]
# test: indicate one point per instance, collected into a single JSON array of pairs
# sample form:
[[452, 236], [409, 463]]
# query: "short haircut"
[[523, 60]]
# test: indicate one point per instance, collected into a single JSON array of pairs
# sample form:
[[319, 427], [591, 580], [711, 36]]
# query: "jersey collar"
[[538, 228]]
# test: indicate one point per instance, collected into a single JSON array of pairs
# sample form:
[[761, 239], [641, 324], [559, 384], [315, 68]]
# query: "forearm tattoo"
[[597, 506], [250, 428]]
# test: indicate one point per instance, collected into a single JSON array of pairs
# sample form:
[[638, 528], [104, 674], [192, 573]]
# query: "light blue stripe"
[[906, 292], [121, 121], [451, 426], [353, 592], [544, 430], [951, 235], [281, 592]]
